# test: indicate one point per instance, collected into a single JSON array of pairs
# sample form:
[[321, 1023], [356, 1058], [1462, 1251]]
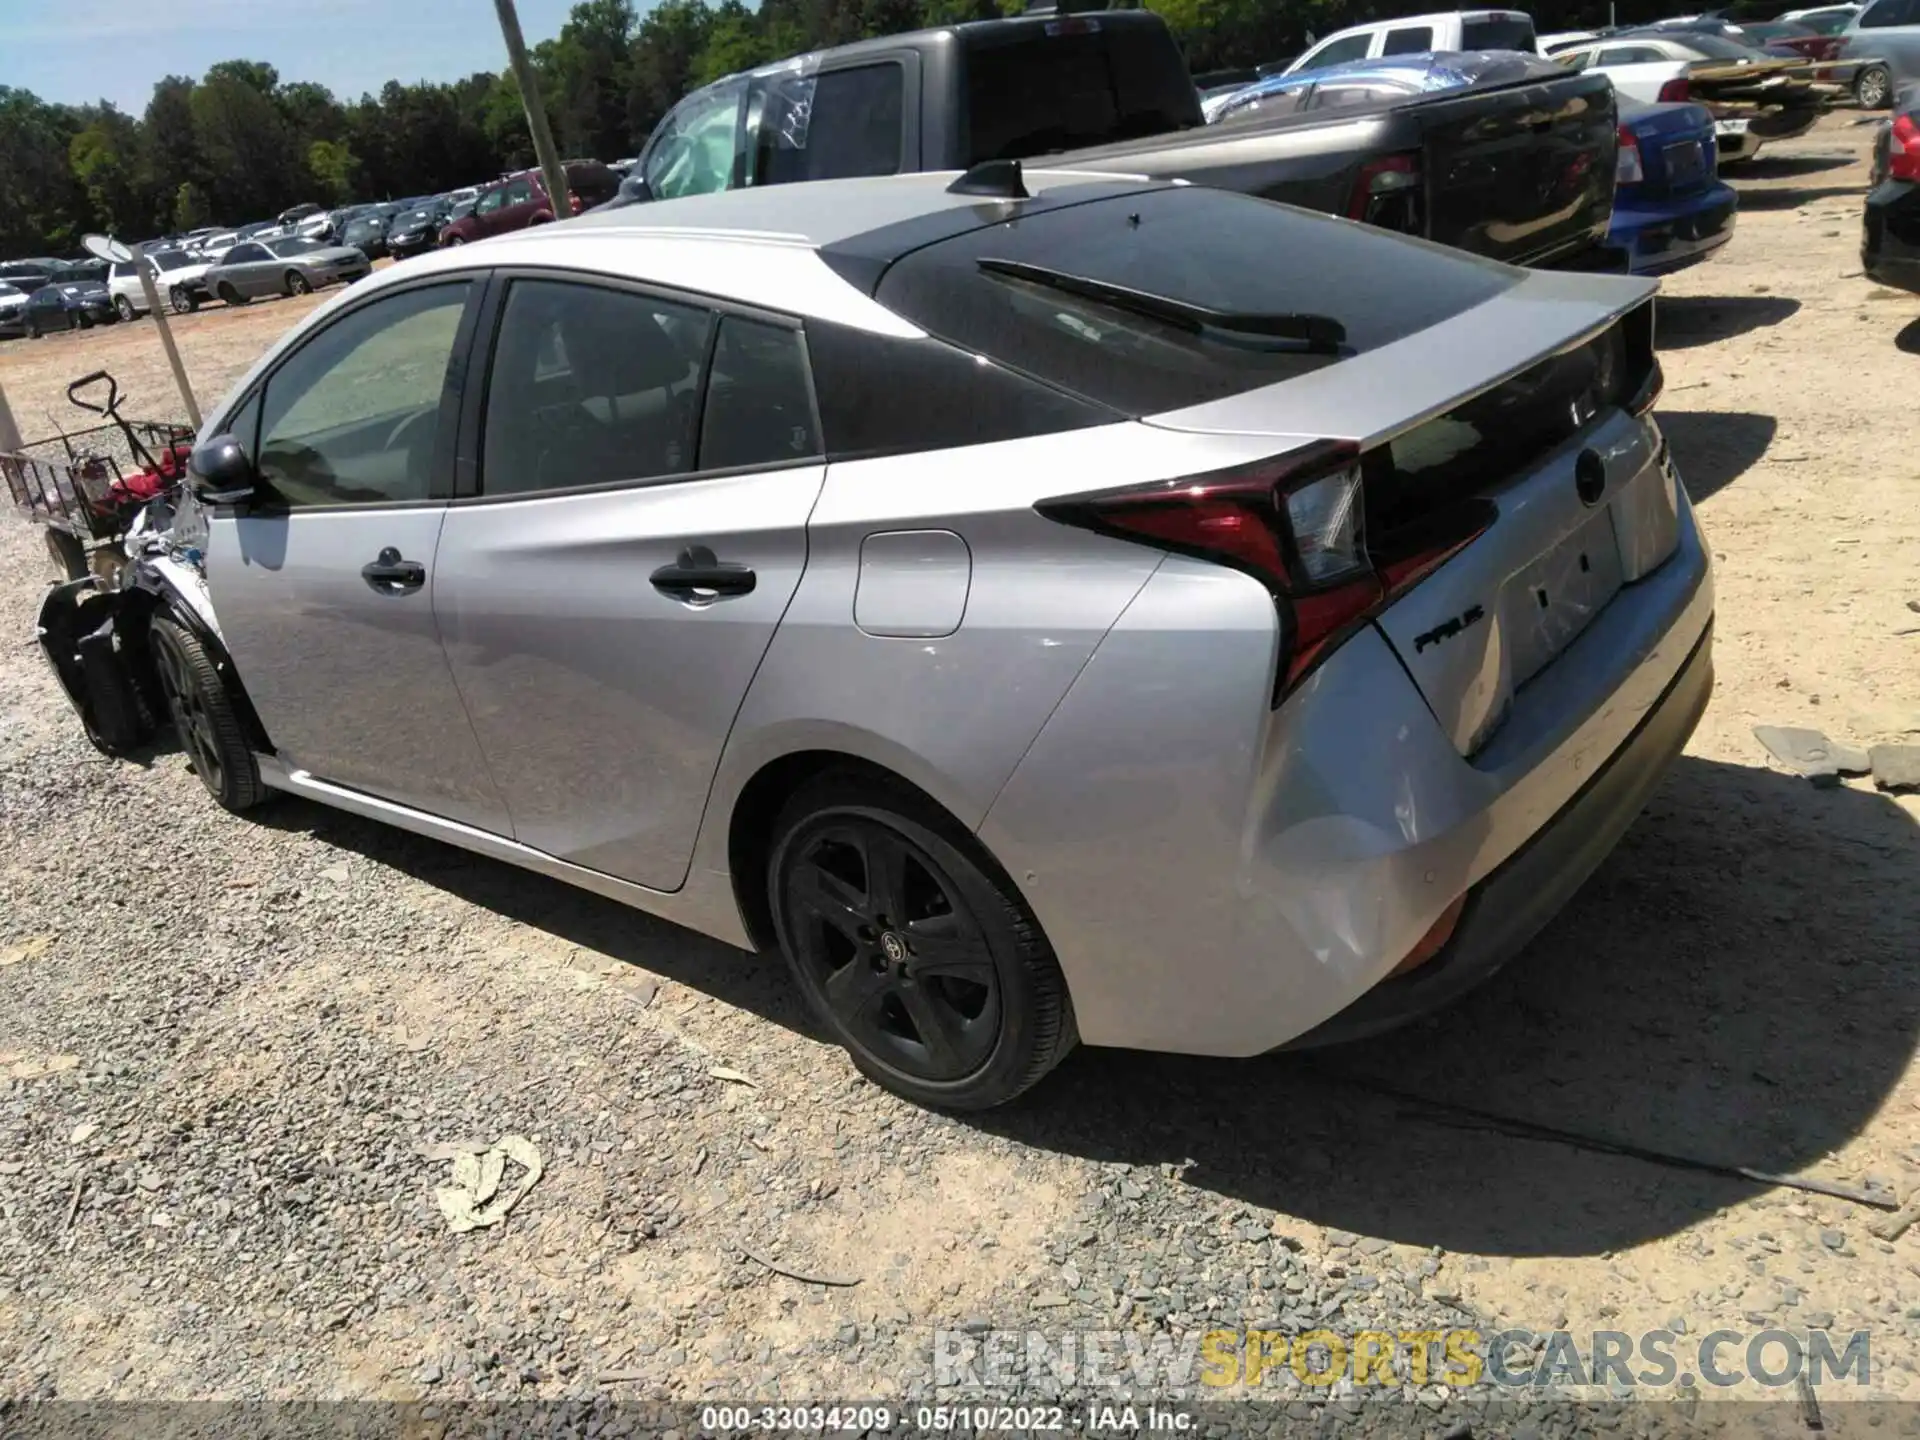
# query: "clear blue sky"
[[79, 51]]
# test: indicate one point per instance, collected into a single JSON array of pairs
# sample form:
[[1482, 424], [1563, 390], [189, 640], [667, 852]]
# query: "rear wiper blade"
[[1315, 332]]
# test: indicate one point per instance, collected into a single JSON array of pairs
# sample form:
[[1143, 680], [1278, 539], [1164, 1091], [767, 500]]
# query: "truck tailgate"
[[1522, 173]]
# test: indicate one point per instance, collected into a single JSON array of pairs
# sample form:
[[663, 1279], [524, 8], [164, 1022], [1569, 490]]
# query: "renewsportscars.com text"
[[1250, 1361]]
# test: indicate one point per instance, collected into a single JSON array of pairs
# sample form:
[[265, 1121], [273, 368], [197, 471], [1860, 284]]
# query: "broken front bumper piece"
[[83, 632]]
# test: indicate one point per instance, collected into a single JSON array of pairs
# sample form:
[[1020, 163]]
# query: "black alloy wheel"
[[913, 949], [204, 717]]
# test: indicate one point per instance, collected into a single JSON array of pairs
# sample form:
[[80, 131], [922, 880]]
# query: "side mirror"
[[634, 189], [220, 472]]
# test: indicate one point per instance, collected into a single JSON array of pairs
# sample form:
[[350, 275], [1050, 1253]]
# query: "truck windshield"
[[1276, 281], [1071, 83]]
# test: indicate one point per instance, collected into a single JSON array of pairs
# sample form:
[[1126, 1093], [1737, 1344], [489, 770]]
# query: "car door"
[[323, 581], [518, 202], [645, 467]]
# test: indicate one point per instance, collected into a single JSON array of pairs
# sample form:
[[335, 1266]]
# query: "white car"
[[1653, 67], [180, 280], [13, 309], [1448, 30], [1827, 19]]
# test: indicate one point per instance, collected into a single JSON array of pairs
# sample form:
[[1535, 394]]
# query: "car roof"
[[763, 246]]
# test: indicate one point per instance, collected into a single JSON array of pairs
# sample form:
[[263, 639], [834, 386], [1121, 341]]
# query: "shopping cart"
[[86, 486]]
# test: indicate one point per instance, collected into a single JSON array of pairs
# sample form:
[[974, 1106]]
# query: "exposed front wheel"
[[298, 284], [183, 300], [1873, 88], [912, 947], [204, 716], [230, 295], [123, 307]]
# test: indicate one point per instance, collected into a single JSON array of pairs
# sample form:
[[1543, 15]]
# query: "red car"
[[521, 200], [1790, 38]]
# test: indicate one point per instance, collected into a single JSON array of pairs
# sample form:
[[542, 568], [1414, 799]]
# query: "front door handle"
[[697, 575], [390, 575]]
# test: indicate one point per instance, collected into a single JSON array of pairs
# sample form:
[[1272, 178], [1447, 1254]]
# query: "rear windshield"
[[1497, 33], [1072, 83], [1209, 248]]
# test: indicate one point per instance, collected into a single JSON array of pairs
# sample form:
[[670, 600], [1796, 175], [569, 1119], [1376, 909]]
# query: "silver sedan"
[[1104, 611], [282, 267]]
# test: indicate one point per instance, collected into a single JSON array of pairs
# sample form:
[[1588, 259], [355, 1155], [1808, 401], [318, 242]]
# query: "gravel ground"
[[232, 1053]]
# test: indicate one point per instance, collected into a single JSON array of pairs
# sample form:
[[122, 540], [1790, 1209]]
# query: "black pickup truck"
[[1522, 172]]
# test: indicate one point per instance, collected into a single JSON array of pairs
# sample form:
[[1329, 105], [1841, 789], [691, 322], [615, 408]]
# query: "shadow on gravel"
[[1784, 167], [1713, 448], [1908, 339], [1733, 984], [758, 983], [1787, 197], [1683, 321]]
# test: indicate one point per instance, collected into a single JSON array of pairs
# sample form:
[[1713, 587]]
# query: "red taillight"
[[1627, 166], [1903, 149], [1387, 193], [573, 202], [1295, 524], [1675, 91]]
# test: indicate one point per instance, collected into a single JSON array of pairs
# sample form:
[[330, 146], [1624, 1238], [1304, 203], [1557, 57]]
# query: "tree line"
[[241, 144]]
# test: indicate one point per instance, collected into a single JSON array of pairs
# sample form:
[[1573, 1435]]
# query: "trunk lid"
[[1515, 425]]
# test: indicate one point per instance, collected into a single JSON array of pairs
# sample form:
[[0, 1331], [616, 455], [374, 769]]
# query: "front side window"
[[352, 417], [491, 201], [1411, 41], [518, 192], [834, 126], [693, 151], [591, 386]]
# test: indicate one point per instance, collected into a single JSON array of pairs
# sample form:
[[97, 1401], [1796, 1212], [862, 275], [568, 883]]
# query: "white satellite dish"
[[105, 247]]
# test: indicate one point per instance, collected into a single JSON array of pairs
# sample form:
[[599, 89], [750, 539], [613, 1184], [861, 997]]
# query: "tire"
[[991, 1022], [204, 716], [68, 554], [77, 321], [298, 284], [123, 307], [31, 327], [231, 296], [451, 241], [183, 300], [1873, 88]]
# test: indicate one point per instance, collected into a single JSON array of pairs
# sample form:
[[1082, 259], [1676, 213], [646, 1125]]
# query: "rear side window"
[[1497, 33], [834, 126], [759, 408], [1338, 52], [862, 382], [1199, 247], [590, 386], [1411, 41], [1079, 81]]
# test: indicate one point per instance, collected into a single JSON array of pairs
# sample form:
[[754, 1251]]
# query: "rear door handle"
[[391, 575], [697, 575]]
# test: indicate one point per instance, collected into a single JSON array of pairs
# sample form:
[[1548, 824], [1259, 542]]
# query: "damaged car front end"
[[97, 632]]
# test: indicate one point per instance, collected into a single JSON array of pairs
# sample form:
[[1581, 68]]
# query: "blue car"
[[1670, 206]]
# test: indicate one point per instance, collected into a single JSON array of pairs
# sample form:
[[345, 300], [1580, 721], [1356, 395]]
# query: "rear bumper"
[[1512, 905], [1219, 879], [1665, 235], [1890, 235]]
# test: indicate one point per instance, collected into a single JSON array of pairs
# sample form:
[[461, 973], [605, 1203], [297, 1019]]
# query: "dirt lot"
[[232, 1046]]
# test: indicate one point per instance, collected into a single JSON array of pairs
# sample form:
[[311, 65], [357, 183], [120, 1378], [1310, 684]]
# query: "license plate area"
[[1547, 605], [1686, 163]]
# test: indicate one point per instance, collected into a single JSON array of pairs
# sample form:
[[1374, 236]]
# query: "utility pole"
[[550, 166]]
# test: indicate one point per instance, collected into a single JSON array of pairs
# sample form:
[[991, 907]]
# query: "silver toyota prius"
[[1045, 608]]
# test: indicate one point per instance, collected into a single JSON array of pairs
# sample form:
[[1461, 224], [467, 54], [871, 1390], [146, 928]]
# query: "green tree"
[[190, 208], [334, 168], [106, 159]]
